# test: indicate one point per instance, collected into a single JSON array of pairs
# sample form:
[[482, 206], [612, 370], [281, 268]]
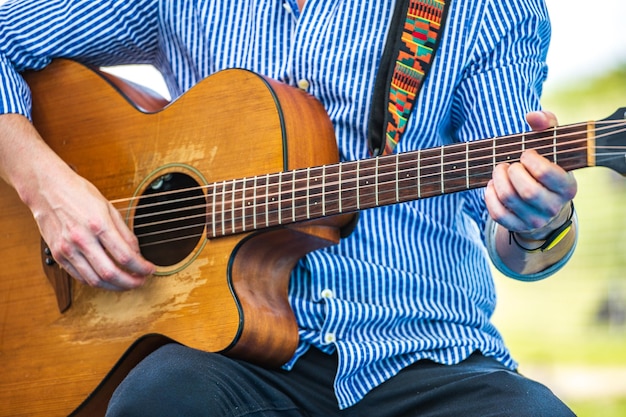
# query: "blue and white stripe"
[[413, 281]]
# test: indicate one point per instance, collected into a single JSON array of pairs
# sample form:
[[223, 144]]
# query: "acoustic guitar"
[[225, 188]]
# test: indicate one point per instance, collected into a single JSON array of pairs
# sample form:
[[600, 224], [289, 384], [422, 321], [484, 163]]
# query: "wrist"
[[526, 266], [547, 237]]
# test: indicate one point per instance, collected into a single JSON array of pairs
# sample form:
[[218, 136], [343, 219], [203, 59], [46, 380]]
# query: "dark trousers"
[[179, 381]]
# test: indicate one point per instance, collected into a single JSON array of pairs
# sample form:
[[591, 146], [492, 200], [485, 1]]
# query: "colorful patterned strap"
[[411, 45]]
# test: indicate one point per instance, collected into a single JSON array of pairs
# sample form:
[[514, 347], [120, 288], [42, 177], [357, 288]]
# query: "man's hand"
[[531, 197], [85, 233]]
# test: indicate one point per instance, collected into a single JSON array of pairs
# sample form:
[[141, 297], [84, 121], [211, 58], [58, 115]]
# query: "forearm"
[[86, 235], [25, 159]]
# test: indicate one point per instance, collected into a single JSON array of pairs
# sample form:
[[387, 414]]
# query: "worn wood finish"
[[228, 295]]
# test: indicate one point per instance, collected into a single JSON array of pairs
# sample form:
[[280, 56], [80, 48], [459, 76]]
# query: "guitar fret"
[[232, 208], [293, 197], [442, 178], [554, 147], [350, 191], [493, 154], [250, 203], [213, 208], [358, 198], [340, 180], [467, 178], [479, 160], [453, 173], [366, 184], [243, 205], [376, 181], [386, 180], [267, 200], [407, 177], [315, 193], [254, 203], [573, 153], [307, 193], [280, 199], [430, 170], [508, 150], [301, 194], [324, 190], [330, 189], [224, 208], [397, 178], [419, 174]]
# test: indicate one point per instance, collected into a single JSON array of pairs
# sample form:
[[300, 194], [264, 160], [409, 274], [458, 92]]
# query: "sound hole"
[[170, 219]]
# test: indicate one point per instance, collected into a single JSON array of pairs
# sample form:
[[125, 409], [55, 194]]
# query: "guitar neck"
[[305, 194]]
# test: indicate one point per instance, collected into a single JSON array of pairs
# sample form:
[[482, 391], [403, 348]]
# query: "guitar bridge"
[[59, 279]]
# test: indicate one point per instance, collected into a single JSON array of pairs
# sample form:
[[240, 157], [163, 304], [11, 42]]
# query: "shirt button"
[[303, 84], [288, 8], [330, 337], [327, 293]]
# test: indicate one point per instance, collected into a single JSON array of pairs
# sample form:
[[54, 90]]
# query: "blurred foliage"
[[576, 319], [603, 407]]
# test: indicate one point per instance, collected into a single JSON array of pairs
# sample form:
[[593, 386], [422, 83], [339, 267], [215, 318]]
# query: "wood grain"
[[229, 295]]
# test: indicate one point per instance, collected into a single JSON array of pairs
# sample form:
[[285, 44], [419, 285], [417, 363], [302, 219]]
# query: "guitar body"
[[226, 294]]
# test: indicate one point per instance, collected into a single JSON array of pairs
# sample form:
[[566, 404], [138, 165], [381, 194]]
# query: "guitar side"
[[228, 294]]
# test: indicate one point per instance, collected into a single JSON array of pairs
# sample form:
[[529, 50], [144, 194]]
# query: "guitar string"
[[221, 219], [461, 146], [231, 208], [235, 201], [329, 185], [225, 220], [381, 185]]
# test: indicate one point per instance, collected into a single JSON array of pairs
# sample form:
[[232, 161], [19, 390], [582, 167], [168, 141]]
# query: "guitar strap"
[[412, 41]]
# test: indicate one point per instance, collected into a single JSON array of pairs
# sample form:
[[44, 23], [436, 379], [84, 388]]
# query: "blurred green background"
[[569, 331]]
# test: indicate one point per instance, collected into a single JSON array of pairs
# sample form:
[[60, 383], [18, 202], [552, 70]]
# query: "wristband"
[[551, 240]]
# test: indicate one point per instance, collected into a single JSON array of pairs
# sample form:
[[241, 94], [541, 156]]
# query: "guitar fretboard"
[[304, 194]]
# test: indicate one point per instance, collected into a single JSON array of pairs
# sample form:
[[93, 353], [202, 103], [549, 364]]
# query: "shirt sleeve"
[[504, 80], [491, 230], [103, 33]]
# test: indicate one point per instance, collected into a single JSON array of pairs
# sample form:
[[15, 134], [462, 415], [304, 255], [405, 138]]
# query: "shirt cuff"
[[14, 92], [491, 228]]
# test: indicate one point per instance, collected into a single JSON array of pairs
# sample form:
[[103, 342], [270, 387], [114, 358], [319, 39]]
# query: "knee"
[[520, 396], [160, 381]]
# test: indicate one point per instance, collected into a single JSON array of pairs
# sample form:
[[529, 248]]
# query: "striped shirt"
[[413, 281]]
